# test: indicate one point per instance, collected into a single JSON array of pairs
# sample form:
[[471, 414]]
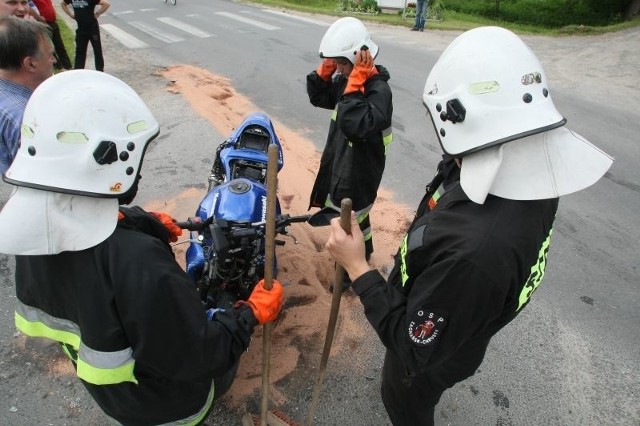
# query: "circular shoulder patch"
[[425, 327]]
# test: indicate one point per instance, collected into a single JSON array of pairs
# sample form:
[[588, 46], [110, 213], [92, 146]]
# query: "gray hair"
[[19, 38]]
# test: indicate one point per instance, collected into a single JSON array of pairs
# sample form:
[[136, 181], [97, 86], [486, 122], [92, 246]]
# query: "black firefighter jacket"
[[133, 324], [353, 159], [463, 271]]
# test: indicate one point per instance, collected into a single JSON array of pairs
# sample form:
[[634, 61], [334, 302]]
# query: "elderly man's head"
[[26, 51], [19, 8]]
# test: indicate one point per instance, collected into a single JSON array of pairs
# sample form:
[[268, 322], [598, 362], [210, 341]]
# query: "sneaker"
[[414, 29], [421, 29]]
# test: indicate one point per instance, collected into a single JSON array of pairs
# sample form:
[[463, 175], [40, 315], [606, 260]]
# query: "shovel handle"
[[270, 235], [345, 222], [345, 215]]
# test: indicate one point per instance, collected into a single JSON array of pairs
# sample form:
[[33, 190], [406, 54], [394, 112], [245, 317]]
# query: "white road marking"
[[184, 27], [299, 18], [155, 32], [248, 21], [124, 37]]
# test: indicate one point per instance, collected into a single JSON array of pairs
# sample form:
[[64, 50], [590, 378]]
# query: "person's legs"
[[405, 405], [365, 227], [96, 44], [223, 383], [419, 22], [82, 40], [412, 400], [425, 10], [58, 45]]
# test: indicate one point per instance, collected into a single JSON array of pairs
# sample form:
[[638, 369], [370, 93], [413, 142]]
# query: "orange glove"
[[362, 70], [266, 304], [326, 69], [174, 230]]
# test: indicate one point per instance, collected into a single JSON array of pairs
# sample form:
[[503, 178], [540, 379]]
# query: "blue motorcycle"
[[226, 253]]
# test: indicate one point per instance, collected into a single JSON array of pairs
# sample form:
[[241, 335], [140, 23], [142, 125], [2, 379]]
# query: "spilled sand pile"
[[305, 269]]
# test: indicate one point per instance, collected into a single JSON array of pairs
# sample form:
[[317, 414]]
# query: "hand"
[[348, 249], [362, 70], [326, 69], [266, 304], [174, 230]]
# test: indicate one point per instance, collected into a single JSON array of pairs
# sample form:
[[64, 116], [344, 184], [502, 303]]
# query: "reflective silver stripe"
[[363, 213], [105, 360], [360, 216], [93, 366], [32, 314], [415, 238]]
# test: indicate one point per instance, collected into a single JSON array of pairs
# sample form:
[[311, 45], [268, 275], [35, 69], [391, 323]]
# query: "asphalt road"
[[571, 358]]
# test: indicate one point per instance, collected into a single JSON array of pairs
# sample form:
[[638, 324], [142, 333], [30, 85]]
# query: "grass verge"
[[452, 20]]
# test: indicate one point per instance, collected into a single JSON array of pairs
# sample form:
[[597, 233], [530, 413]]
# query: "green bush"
[[435, 10], [359, 6], [547, 13]]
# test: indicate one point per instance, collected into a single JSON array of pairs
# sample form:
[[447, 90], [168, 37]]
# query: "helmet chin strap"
[[131, 193]]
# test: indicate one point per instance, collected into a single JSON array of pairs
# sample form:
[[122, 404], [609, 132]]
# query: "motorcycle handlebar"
[[285, 219], [197, 224], [191, 224]]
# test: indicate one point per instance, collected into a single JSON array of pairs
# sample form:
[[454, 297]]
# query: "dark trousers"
[[411, 401], [62, 58], [84, 36], [221, 385]]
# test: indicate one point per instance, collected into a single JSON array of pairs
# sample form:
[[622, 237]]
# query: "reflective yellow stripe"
[[39, 329], [537, 273], [403, 261], [97, 367], [387, 134], [119, 373], [361, 215], [387, 138]]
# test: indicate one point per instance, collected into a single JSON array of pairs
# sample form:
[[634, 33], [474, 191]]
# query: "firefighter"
[[348, 82], [102, 279], [477, 248]]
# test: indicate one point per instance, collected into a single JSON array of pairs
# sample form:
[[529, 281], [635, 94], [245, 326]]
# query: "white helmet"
[[344, 38], [488, 88], [83, 132], [489, 103]]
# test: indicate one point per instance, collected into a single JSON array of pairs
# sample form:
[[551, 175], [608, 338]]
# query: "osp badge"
[[426, 327]]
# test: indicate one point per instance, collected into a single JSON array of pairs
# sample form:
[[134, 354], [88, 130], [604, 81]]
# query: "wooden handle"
[[269, 261], [345, 222]]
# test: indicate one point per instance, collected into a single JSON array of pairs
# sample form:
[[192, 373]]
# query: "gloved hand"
[[266, 304], [362, 70], [326, 69], [174, 230]]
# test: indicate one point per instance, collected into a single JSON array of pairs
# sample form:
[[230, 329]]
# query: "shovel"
[[345, 222], [323, 216]]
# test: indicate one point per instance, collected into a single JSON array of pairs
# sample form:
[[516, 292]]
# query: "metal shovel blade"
[[323, 217]]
